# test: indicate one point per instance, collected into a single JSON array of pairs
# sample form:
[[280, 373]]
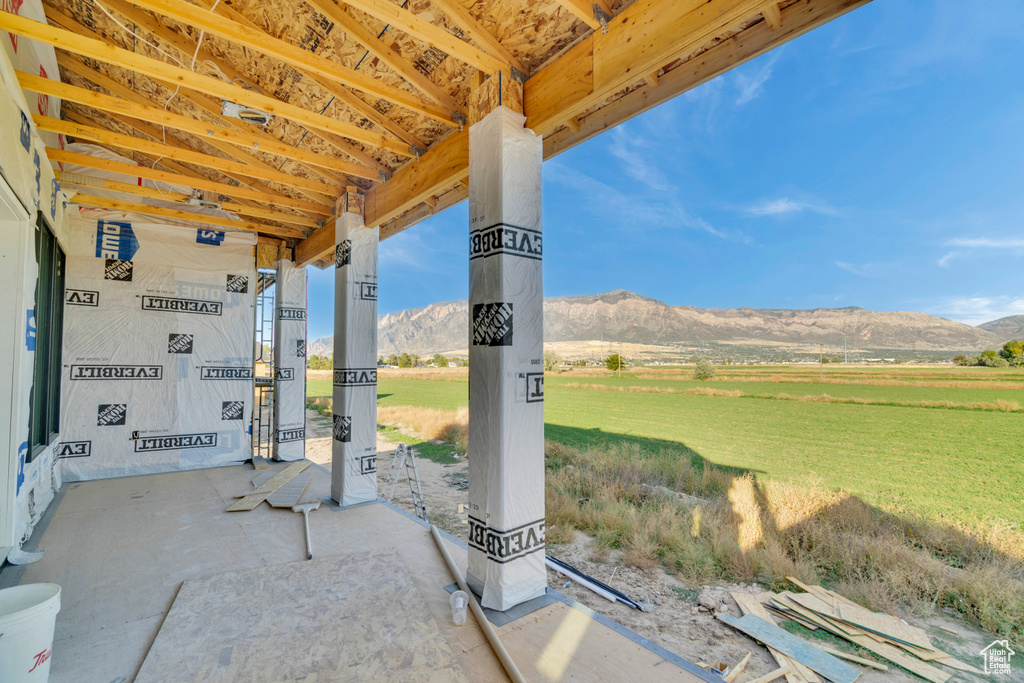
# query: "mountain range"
[[622, 317]]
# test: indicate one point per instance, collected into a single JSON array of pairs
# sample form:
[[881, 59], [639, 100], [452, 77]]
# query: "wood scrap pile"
[[280, 489], [817, 608]]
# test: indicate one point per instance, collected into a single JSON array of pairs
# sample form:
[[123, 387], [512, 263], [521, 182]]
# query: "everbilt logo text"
[[505, 546], [286, 435], [169, 304], [355, 377], [284, 374], [172, 443], [111, 414], [74, 449], [368, 291], [505, 239], [492, 324], [117, 372], [368, 464], [81, 297], [210, 372], [291, 313]]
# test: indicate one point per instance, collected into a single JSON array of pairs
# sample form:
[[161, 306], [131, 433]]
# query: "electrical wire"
[[134, 34]]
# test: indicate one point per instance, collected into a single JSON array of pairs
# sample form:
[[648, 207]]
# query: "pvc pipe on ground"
[[510, 667], [580, 580]]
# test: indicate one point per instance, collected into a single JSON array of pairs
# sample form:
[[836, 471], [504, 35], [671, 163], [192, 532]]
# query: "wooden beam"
[[187, 48], [167, 73], [339, 91], [406, 189], [119, 205], [432, 34], [584, 11], [183, 155], [133, 171], [640, 40], [260, 41], [64, 178], [476, 31], [772, 16], [385, 53], [652, 78], [136, 108]]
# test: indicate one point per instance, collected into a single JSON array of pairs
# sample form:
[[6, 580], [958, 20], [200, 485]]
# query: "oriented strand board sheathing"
[[348, 617]]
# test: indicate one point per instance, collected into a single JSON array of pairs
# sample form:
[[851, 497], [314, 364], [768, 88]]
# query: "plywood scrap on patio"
[[251, 500], [324, 619]]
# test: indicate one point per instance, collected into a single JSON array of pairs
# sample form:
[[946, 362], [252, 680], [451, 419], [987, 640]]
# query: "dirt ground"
[[682, 618]]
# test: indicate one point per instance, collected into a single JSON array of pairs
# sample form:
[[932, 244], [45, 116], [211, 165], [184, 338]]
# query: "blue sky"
[[875, 162]]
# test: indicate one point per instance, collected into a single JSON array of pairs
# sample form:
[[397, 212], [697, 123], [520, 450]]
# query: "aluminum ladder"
[[405, 458]]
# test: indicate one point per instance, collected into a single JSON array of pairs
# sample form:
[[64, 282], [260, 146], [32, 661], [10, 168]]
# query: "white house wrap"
[[158, 329], [290, 363], [506, 371], [354, 461]]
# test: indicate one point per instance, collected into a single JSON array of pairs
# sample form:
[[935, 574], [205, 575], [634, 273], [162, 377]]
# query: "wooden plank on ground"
[[291, 493], [751, 604], [853, 658], [768, 677], [260, 463], [271, 485], [793, 647], [898, 656], [884, 625]]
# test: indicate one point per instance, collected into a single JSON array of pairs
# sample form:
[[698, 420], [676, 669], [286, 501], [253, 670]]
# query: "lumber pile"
[[817, 608], [277, 488]]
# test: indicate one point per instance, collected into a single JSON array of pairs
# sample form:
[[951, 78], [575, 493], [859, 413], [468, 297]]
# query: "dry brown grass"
[[451, 426], [751, 530]]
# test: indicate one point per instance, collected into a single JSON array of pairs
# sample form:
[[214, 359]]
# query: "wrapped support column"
[[354, 458], [506, 371], [290, 362]]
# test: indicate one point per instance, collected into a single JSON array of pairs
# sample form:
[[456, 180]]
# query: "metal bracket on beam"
[[384, 176], [602, 18], [417, 151], [320, 222], [460, 119], [519, 76]]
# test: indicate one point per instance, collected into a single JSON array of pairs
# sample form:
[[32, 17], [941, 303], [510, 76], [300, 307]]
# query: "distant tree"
[[440, 361], [392, 360], [704, 370], [551, 360], [960, 359], [1013, 352], [316, 362], [994, 361], [614, 362], [405, 361]]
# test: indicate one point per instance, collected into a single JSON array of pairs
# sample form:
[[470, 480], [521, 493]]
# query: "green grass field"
[[943, 462]]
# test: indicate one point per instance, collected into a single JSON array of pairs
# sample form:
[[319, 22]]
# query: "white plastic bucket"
[[27, 617]]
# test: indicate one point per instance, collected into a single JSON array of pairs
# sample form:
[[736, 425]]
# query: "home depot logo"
[[343, 253], [342, 428], [214, 372], [284, 374], [355, 377], [300, 348], [117, 270], [505, 239], [367, 291], [505, 546], [175, 442], [170, 304], [231, 410], [179, 343], [81, 297], [238, 283], [291, 314], [110, 414], [287, 435], [492, 324], [117, 372], [74, 449]]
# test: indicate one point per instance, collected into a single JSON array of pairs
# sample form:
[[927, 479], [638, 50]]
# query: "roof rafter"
[[385, 53], [476, 31], [254, 39], [584, 10], [432, 34], [167, 73], [195, 181]]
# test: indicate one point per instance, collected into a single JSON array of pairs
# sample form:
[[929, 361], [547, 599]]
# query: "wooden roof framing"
[[365, 93]]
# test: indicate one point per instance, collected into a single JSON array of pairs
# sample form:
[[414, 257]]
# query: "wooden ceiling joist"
[[167, 73], [476, 31], [133, 171], [80, 180], [187, 48], [584, 11], [772, 16], [432, 34], [362, 35], [339, 91], [120, 205], [135, 144], [206, 131], [254, 39]]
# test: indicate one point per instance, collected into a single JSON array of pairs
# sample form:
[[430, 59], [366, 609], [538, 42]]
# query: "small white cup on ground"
[[460, 603]]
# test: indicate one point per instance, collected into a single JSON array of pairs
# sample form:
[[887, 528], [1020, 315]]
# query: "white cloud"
[[849, 267], [785, 205], [750, 86], [944, 261], [634, 153], [975, 310], [987, 243]]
